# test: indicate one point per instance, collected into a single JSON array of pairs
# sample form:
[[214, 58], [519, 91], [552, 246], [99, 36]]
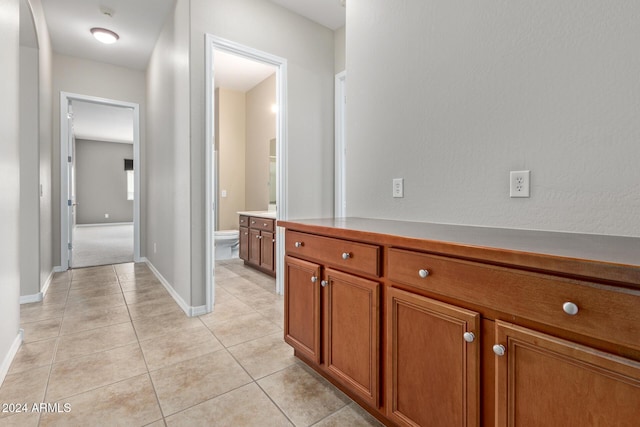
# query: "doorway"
[[100, 181], [217, 46]]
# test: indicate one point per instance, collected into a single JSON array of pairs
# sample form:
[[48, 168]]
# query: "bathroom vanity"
[[441, 325], [258, 240]]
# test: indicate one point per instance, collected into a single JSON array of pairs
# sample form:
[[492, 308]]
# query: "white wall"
[[453, 95], [261, 129], [9, 183], [93, 78], [29, 172], [308, 48], [168, 191]]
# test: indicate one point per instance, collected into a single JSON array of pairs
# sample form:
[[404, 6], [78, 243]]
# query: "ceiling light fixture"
[[105, 36]]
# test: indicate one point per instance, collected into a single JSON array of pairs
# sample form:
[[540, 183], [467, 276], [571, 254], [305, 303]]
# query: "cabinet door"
[[351, 332], [432, 371], [546, 381], [267, 244], [302, 307], [244, 243], [254, 246]]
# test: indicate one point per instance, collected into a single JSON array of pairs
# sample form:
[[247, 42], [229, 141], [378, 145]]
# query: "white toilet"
[[227, 244]]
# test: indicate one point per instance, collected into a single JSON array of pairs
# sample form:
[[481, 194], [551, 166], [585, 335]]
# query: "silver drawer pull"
[[499, 350], [324, 283], [298, 244], [264, 224], [314, 279], [469, 337], [346, 255], [570, 308], [423, 273]]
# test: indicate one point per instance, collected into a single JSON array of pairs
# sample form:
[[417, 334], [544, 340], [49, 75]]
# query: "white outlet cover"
[[398, 187], [519, 183]]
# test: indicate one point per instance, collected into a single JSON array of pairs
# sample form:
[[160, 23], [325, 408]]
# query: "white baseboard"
[[59, 269], [189, 310], [6, 363], [39, 297], [100, 224]]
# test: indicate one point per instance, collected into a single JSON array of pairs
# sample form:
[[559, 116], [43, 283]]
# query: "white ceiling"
[[97, 122], [138, 23]]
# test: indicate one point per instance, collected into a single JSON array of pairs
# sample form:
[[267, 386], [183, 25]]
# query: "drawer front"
[[343, 254], [264, 224], [244, 221], [603, 312]]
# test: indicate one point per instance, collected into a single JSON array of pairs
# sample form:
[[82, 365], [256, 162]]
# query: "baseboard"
[[13, 350], [39, 297], [189, 310], [28, 299], [59, 269], [99, 224]]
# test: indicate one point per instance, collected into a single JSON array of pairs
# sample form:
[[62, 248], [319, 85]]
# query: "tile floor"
[[111, 343]]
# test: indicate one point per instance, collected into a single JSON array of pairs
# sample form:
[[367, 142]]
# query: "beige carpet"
[[101, 245]]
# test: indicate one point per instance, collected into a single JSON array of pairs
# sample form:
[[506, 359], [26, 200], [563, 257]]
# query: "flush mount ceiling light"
[[105, 36]]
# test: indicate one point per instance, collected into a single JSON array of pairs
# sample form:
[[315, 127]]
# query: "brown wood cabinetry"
[[258, 243], [432, 333]]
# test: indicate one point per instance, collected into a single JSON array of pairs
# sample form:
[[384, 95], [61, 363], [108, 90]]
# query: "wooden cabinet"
[[547, 381], [258, 243], [349, 321], [433, 362], [431, 333]]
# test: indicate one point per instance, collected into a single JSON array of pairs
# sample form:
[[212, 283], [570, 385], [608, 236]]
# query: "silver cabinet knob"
[[324, 283], [298, 244], [253, 222], [258, 237], [570, 308], [499, 350], [469, 337], [264, 224], [314, 279], [423, 273], [346, 255]]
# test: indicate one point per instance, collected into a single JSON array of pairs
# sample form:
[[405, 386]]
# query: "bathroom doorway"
[[245, 125]]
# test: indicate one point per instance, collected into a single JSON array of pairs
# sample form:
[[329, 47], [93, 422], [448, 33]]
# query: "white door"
[[71, 202]]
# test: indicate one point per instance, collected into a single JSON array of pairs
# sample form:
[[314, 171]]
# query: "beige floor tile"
[[24, 387], [140, 275], [223, 273], [92, 272], [154, 308], [274, 314], [82, 374], [246, 406], [128, 403], [86, 303], [140, 284], [78, 319], [41, 330], [159, 423], [260, 299], [93, 284], [173, 348], [56, 297], [163, 324], [238, 286], [243, 328], [264, 356], [194, 381], [147, 294], [28, 419], [38, 311], [352, 416], [227, 310], [302, 395], [131, 267], [33, 355], [223, 296], [59, 286], [94, 341], [94, 290]]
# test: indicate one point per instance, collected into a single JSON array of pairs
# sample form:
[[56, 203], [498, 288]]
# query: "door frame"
[[213, 43], [65, 171], [340, 148]]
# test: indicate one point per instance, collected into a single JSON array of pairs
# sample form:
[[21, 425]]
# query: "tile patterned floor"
[[111, 344]]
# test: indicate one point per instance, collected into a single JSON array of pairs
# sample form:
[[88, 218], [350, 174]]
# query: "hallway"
[[111, 343]]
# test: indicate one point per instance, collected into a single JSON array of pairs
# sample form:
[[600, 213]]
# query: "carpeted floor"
[[102, 244]]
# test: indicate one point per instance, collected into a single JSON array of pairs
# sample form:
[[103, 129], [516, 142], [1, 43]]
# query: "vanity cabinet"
[[332, 317], [425, 332], [258, 242]]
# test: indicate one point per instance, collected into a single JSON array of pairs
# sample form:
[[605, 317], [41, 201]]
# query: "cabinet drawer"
[[244, 221], [344, 254], [603, 312], [262, 223]]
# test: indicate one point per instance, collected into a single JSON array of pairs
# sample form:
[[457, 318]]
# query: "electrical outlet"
[[519, 182], [398, 187]]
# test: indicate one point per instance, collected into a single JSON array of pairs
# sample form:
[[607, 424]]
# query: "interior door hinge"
[[69, 246], [69, 159], [68, 202]]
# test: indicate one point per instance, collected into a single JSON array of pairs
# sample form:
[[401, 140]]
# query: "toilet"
[[227, 243]]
